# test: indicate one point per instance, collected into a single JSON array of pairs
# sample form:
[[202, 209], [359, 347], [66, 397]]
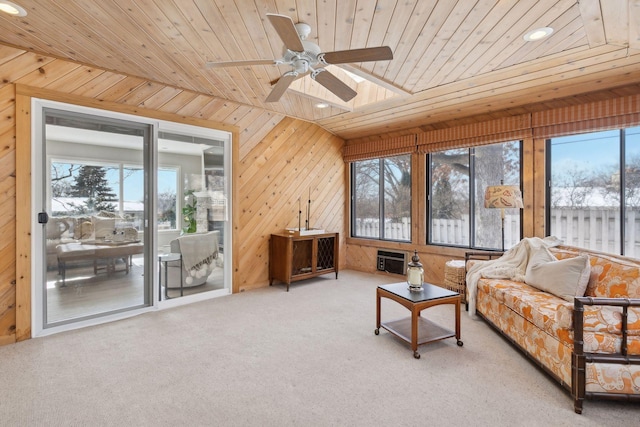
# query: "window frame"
[[622, 170], [381, 200]]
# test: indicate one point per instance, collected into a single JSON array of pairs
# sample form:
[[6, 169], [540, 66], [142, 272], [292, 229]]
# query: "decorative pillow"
[[567, 278], [56, 227], [103, 227], [77, 227], [85, 231], [130, 234], [107, 214]]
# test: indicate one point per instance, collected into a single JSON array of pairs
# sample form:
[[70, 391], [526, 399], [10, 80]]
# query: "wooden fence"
[[370, 227], [595, 229]]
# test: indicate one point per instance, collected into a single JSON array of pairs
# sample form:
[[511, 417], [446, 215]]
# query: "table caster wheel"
[[460, 343], [416, 355], [377, 331]]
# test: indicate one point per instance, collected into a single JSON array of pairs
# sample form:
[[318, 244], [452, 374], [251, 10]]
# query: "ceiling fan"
[[305, 57]]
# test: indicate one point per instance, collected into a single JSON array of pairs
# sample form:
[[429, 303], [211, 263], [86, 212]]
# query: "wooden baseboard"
[[8, 339]]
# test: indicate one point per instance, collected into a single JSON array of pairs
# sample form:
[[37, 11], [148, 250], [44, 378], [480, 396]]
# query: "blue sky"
[[134, 184], [593, 150]]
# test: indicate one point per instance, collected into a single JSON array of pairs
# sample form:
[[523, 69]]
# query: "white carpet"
[[266, 357]]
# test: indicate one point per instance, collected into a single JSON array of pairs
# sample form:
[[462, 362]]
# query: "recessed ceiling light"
[[538, 34], [12, 8], [322, 105]]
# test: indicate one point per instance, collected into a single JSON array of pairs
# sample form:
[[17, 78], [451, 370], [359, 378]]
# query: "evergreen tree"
[[92, 184]]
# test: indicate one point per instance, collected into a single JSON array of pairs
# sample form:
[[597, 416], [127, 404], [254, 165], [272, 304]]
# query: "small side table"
[[416, 330], [165, 259]]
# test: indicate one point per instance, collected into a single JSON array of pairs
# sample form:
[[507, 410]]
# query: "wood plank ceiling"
[[453, 59]]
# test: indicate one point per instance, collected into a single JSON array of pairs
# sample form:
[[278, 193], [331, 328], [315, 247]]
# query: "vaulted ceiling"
[[451, 59]]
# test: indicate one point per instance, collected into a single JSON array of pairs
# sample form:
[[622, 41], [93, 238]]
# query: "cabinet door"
[[301, 257], [326, 253]]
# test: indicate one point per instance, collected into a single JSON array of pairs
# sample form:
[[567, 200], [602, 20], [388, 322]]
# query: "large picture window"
[[594, 197], [88, 188], [381, 203], [457, 182]]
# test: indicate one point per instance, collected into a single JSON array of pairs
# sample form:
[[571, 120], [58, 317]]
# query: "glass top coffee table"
[[416, 330]]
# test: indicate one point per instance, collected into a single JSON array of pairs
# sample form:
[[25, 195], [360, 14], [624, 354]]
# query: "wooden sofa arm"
[[482, 256], [578, 318], [486, 255], [579, 358]]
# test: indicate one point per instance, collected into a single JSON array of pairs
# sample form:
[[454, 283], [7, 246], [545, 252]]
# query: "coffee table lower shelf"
[[427, 330]]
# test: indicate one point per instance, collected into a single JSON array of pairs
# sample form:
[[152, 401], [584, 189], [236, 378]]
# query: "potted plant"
[[189, 213]]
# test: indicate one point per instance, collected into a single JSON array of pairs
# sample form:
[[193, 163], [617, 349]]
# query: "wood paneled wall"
[[7, 215], [294, 160], [277, 160], [363, 257]]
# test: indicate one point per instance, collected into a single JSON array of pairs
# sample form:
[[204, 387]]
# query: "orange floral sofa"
[[591, 346]]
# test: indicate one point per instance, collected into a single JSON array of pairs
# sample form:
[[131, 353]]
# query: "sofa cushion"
[[609, 319], [605, 342], [548, 312], [566, 278], [552, 350]]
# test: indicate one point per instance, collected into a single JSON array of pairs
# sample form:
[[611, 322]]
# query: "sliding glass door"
[[95, 213], [193, 168], [133, 214]]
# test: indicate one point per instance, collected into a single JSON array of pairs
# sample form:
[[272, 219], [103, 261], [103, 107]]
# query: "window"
[[89, 187], [167, 198], [594, 197], [458, 179], [381, 203]]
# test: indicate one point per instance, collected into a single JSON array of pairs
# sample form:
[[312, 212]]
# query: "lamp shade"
[[503, 196]]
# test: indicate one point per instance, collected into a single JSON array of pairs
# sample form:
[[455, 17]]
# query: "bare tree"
[[572, 186], [367, 188], [62, 178], [632, 181], [397, 187]]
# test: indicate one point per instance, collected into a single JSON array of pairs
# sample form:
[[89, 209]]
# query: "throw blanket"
[[198, 253], [512, 265]]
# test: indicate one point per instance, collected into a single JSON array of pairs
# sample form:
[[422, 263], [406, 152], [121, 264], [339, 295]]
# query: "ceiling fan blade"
[[334, 84], [287, 31], [298, 77], [240, 63], [381, 53], [281, 86]]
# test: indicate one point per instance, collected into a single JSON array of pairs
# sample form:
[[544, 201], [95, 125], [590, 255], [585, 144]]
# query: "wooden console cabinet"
[[293, 258]]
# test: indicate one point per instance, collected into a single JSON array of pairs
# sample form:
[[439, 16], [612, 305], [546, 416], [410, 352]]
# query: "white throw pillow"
[[103, 227], [566, 278]]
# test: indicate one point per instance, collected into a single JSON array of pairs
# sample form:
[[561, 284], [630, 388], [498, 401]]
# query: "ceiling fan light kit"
[[306, 57]]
